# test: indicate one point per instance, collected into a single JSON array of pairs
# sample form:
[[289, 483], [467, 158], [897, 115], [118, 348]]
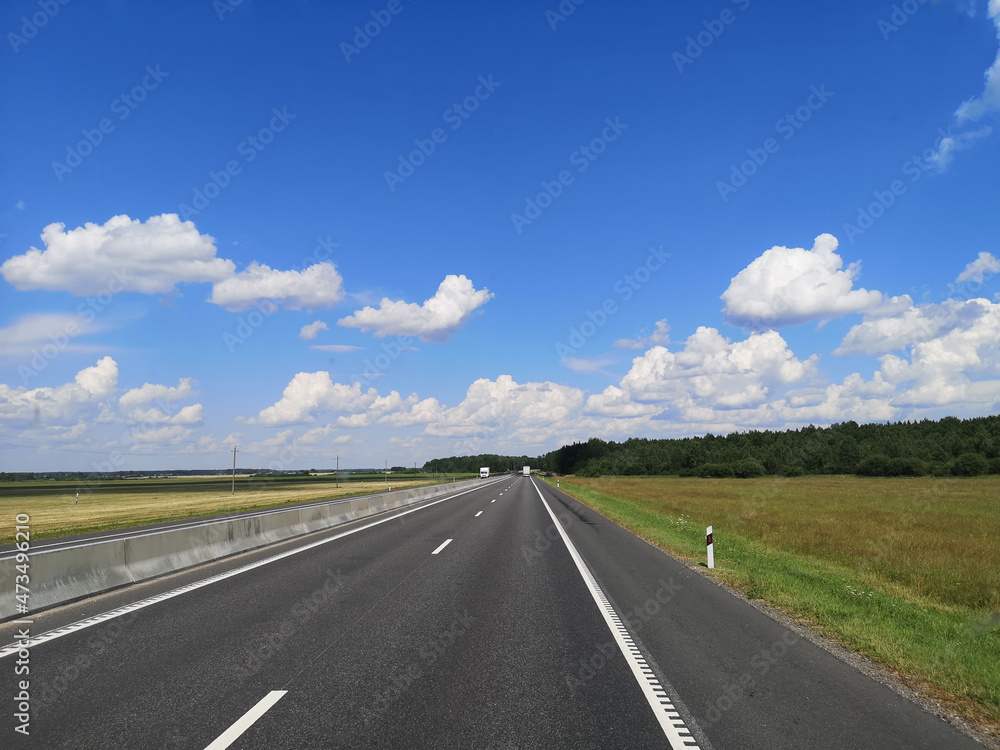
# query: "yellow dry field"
[[61, 515], [933, 539]]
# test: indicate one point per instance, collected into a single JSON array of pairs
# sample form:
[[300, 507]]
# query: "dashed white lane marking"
[[445, 544], [230, 736], [493, 500], [12, 648], [677, 734], [479, 514]]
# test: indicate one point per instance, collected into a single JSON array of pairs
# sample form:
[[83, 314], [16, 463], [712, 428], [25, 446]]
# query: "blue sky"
[[487, 227]]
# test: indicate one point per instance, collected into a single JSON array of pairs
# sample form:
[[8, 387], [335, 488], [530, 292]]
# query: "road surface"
[[508, 616]]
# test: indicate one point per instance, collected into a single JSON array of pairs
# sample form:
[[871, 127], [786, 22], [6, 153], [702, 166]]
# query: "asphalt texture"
[[494, 642]]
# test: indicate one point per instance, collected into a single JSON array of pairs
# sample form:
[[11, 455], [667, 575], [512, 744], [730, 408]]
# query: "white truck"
[[526, 471], [484, 472]]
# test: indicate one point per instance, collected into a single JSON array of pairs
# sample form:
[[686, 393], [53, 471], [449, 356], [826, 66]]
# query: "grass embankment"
[[905, 571], [56, 515]]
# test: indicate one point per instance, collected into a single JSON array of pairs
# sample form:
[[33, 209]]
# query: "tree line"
[[945, 447]]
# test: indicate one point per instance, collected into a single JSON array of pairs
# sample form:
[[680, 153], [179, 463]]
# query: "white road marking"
[[445, 544], [479, 514], [493, 500], [230, 736], [677, 734], [12, 648]]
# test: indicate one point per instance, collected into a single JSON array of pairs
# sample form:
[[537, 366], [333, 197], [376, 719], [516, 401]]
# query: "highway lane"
[[493, 642], [404, 648]]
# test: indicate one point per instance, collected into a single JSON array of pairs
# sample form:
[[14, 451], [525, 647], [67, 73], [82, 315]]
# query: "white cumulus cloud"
[[311, 330], [155, 392], [122, 254], [48, 405], [311, 392], [316, 286], [786, 286], [437, 319]]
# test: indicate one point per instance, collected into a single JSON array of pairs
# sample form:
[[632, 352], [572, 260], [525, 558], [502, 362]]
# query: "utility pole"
[[234, 471], [387, 472], [338, 472]]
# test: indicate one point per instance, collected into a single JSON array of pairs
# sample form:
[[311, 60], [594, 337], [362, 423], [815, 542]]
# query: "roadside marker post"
[[711, 547]]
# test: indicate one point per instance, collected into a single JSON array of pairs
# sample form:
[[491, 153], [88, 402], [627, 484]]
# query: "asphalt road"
[[392, 636]]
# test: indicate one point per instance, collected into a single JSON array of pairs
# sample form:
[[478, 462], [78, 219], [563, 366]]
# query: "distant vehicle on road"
[[526, 471], [484, 473]]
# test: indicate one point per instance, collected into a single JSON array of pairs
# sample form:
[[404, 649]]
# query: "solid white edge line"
[[13, 648], [242, 724], [677, 734], [445, 544]]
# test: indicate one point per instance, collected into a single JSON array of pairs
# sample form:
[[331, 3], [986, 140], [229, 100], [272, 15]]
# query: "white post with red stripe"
[[711, 547]]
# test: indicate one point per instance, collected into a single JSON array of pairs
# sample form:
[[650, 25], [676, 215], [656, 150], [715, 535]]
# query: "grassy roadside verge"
[[904, 571], [60, 515]]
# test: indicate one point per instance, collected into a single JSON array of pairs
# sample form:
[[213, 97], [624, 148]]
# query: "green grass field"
[[121, 504], [905, 571]]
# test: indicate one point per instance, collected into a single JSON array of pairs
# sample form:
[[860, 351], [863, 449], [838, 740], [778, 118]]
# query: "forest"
[[945, 447]]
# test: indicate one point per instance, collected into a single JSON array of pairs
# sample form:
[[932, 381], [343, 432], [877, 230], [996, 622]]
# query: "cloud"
[[63, 403], [989, 100], [167, 435], [584, 364], [317, 286], [188, 415], [437, 319], [986, 263], [43, 331], [311, 392], [152, 392], [950, 144], [491, 407], [709, 373], [311, 330], [953, 351], [123, 254], [787, 286], [335, 348], [902, 324], [659, 337]]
